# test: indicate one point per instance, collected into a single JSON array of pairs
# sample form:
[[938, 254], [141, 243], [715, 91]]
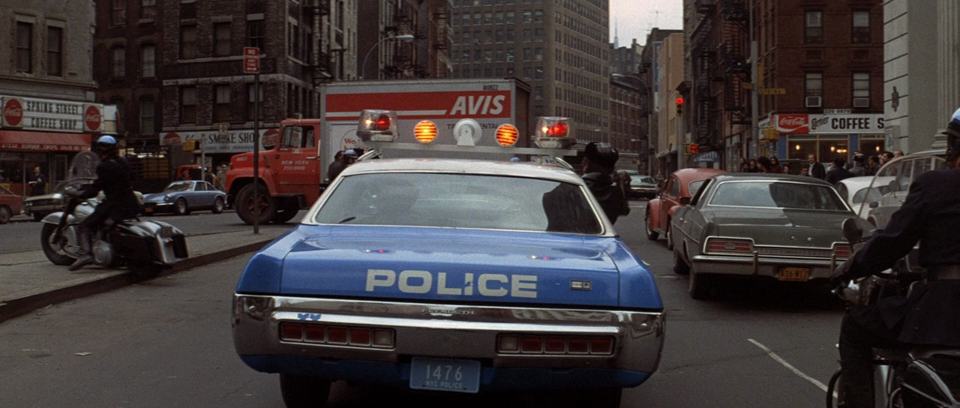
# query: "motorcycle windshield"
[[83, 169]]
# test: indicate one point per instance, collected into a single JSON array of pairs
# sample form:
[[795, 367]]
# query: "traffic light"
[[679, 101], [693, 148]]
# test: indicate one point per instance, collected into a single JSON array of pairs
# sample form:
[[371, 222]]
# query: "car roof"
[[860, 181], [476, 167], [770, 177], [697, 173]]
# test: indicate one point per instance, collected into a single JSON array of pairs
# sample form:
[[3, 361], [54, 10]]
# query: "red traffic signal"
[[693, 148], [679, 101]]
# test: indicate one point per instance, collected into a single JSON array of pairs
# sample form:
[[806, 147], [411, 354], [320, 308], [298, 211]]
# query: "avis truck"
[[292, 173]]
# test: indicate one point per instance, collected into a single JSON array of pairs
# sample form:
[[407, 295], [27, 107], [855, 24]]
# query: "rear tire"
[[698, 285], [5, 214], [245, 205], [218, 206], [680, 267], [651, 233], [49, 249], [304, 392]]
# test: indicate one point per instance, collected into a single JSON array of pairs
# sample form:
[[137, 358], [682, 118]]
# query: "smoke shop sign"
[[830, 123], [214, 141], [50, 115]]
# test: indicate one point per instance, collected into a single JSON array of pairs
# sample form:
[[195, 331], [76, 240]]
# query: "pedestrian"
[[815, 168], [859, 167], [838, 171], [599, 162], [873, 165], [897, 153], [744, 165], [342, 160], [885, 157], [38, 186], [763, 165], [775, 166]]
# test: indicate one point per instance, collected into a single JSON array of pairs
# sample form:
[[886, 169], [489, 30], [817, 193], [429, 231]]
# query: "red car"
[[678, 189], [10, 205]]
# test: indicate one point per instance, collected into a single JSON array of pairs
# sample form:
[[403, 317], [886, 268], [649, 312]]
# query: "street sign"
[[251, 60], [773, 91]]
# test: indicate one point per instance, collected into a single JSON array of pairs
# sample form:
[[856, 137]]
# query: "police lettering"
[[419, 282]]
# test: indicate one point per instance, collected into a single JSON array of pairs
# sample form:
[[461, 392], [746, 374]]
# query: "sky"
[[636, 17]]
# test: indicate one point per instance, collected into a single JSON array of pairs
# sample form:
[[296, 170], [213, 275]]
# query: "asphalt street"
[[25, 236], [167, 342]]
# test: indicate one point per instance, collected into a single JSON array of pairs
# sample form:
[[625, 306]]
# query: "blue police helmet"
[[107, 140], [953, 136]]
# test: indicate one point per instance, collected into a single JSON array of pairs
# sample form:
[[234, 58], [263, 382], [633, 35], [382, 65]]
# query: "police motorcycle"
[[146, 247], [903, 378]]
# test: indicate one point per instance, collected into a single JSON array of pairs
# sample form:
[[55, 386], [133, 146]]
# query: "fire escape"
[[732, 55], [442, 40], [403, 63], [320, 64], [705, 122]]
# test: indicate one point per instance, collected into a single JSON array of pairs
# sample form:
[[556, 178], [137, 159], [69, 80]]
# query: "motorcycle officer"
[[930, 314], [598, 165], [113, 178]]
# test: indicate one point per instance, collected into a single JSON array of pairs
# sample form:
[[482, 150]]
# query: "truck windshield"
[[460, 201]]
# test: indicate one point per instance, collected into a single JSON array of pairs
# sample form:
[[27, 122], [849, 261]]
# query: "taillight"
[[730, 246], [337, 335], [841, 250], [554, 344]]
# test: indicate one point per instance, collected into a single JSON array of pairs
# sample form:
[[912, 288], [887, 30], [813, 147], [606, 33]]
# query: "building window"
[[24, 47], [814, 27], [148, 9], [147, 115], [188, 42], [55, 51], [255, 34], [813, 89], [118, 12], [188, 104], [293, 35], [221, 39], [251, 100], [861, 89], [221, 109], [861, 27], [148, 61], [118, 62]]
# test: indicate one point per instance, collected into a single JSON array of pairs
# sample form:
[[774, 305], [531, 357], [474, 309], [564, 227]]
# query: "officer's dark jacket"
[[930, 215], [610, 196], [113, 178]]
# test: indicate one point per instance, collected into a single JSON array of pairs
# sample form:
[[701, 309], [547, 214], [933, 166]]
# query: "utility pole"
[[251, 65]]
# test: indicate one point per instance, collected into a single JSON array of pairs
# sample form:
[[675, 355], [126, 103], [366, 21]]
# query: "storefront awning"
[[17, 140]]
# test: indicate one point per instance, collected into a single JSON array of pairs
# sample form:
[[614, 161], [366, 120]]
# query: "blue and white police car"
[[451, 275]]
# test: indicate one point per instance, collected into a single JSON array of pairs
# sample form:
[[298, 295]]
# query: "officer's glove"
[[841, 274]]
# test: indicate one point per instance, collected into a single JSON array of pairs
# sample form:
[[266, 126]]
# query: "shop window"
[[871, 147], [800, 149], [832, 149]]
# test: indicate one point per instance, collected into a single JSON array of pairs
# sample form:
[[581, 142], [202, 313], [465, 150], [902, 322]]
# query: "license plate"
[[445, 375], [794, 274]]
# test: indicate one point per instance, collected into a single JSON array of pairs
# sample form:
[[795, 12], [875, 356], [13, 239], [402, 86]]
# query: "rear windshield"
[[777, 195], [460, 201]]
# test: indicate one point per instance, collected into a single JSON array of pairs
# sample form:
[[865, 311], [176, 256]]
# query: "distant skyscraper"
[[560, 48]]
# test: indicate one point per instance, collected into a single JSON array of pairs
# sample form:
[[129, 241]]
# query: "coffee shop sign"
[[214, 141], [802, 123], [50, 115]]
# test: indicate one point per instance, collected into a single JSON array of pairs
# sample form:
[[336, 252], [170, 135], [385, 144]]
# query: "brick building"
[[626, 118], [650, 75], [47, 109], [426, 55]]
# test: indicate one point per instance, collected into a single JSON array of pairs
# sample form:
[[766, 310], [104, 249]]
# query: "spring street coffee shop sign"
[[50, 115]]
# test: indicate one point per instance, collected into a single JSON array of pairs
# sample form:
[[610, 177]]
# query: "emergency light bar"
[[554, 132], [377, 126]]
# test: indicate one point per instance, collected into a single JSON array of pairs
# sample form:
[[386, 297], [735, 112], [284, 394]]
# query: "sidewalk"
[[28, 281]]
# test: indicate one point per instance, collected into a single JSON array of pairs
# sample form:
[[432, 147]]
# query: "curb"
[[22, 306]]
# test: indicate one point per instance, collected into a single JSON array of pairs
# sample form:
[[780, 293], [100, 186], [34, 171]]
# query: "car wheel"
[[680, 266], [218, 205], [181, 207], [287, 213], [303, 392], [651, 234], [52, 250], [246, 206], [5, 214], [698, 285]]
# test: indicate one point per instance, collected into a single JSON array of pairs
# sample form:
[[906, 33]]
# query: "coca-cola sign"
[[52, 115], [12, 112], [793, 123], [92, 118]]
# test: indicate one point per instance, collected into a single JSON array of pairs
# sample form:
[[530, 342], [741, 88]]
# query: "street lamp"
[[401, 37]]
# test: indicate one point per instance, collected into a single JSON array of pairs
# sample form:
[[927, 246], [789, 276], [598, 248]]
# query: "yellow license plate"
[[794, 274]]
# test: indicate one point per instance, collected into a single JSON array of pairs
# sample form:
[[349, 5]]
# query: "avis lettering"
[[419, 282], [478, 105]]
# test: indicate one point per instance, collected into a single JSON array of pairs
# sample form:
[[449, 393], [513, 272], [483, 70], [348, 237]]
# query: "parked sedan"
[[856, 191], [41, 205], [182, 197], [760, 225], [678, 189], [10, 205], [642, 187]]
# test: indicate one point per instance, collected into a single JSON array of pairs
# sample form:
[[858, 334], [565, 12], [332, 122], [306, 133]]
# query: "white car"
[[857, 193]]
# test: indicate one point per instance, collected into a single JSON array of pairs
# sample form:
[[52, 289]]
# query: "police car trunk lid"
[[452, 266]]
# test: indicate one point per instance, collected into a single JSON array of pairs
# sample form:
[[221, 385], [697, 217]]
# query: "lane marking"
[[790, 367]]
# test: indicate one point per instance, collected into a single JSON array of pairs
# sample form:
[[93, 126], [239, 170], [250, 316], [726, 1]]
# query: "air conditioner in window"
[[813, 101], [861, 102]]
